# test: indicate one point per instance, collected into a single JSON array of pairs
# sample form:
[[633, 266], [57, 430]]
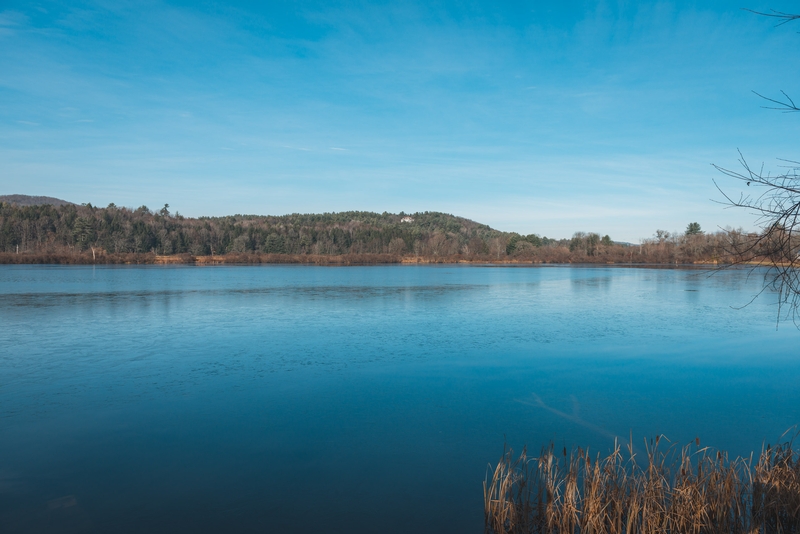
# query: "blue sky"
[[546, 117]]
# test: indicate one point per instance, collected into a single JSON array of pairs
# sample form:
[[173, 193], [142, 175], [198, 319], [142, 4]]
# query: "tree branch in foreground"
[[776, 205]]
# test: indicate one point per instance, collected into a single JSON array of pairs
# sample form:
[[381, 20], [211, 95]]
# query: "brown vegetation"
[[87, 234], [101, 257], [691, 490], [75, 258]]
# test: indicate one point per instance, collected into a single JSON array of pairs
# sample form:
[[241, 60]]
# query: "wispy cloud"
[[10, 22], [545, 121], [10, 18]]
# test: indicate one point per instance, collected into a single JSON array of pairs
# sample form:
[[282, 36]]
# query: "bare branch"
[[783, 17], [787, 107], [776, 205]]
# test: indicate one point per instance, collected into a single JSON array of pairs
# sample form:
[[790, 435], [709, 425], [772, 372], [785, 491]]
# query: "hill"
[[27, 200], [41, 231], [45, 227]]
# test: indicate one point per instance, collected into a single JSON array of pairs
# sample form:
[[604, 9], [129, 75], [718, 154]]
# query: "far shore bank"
[[102, 258]]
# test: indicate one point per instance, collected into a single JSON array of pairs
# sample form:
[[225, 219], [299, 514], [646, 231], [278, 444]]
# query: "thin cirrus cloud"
[[548, 119]]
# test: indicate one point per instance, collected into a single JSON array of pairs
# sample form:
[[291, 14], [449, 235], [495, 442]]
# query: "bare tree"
[[776, 206], [775, 202]]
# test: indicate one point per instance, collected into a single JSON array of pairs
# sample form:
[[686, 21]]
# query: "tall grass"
[[688, 490]]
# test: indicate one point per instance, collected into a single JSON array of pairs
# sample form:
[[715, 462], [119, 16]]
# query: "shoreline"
[[102, 258]]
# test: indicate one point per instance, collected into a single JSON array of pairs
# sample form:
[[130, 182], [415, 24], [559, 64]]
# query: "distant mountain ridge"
[[28, 200]]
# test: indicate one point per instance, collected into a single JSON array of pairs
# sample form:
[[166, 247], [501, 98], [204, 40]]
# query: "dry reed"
[[103, 257], [689, 490]]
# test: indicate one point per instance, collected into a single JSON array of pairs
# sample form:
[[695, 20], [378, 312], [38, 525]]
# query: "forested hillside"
[[47, 228], [27, 200], [68, 232]]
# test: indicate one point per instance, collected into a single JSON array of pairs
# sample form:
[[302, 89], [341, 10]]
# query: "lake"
[[357, 399]]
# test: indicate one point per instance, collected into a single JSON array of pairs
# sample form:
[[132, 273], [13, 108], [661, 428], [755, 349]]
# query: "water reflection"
[[169, 399]]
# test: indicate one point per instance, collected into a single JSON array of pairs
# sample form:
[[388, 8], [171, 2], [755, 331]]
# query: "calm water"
[[360, 399]]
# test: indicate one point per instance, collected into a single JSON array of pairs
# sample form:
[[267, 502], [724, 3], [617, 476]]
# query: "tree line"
[[118, 230], [72, 230]]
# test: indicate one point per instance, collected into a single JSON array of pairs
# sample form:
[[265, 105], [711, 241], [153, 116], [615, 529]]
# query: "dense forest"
[[70, 233]]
